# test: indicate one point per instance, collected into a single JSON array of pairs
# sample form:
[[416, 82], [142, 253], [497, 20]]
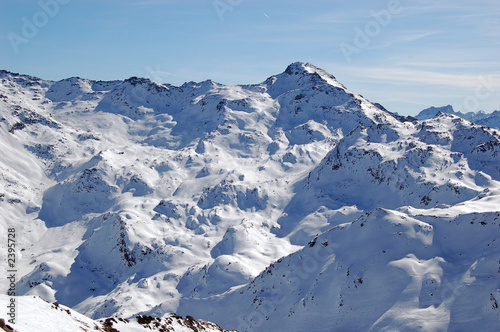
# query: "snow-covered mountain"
[[40, 316], [294, 204], [488, 119]]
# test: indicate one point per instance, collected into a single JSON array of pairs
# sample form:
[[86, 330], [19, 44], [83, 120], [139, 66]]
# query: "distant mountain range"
[[488, 119], [290, 205]]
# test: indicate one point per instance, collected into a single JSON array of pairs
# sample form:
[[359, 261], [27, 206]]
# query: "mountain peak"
[[433, 111], [488, 119], [216, 201], [297, 68], [300, 75], [300, 68]]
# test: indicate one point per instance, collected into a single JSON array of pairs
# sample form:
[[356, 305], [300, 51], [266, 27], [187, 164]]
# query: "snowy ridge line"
[[41, 316], [488, 119], [293, 204]]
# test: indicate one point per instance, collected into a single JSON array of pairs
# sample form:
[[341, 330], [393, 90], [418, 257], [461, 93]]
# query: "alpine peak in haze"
[[488, 119], [293, 204]]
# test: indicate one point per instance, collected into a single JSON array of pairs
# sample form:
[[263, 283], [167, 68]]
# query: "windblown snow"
[[290, 205]]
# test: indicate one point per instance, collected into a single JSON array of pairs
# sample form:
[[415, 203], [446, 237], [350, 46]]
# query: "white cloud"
[[412, 76]]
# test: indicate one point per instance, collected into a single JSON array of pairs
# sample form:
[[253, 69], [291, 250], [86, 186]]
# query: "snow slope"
[[293, 204], [426, 274], [37, 315]]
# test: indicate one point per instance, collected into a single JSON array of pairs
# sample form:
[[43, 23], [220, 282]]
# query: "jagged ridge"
[[150, 198]]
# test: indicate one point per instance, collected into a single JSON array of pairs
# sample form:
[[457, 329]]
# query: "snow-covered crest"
[[136, 197]]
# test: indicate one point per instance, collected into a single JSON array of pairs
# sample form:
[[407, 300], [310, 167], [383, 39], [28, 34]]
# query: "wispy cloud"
[[412, 76], [409, 36], [452, 64], [144, 3], [335, 18], [400, 38]]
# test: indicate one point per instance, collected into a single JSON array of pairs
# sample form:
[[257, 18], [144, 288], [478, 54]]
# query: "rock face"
[[290, 204]]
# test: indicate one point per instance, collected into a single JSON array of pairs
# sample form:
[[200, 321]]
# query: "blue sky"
[[405, 54]]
